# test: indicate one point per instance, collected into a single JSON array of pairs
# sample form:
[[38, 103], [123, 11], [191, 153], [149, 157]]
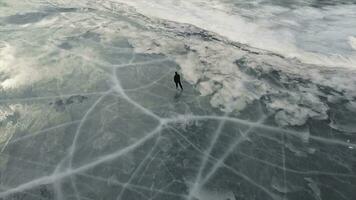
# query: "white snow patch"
[[17, 71], [352, 42]]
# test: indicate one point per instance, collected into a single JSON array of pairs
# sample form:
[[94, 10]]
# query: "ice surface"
[[88, 110]]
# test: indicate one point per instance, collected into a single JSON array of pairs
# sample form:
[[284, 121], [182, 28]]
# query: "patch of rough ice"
[[351, 106], [19, 70], [289, 111], [15, 69]]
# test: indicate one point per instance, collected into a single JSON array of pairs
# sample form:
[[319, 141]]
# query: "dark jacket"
[[176, 78]]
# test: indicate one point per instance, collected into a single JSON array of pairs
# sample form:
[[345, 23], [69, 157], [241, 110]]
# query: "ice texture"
[[89, 110]]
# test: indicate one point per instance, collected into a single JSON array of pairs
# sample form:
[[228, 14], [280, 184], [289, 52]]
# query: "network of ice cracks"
[[209, 165], [151, 142]]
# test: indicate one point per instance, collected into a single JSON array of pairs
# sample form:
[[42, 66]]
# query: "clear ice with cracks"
[[88, 110]]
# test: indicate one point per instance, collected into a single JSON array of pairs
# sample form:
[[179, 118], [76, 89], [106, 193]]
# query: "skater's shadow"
[[178, 94]]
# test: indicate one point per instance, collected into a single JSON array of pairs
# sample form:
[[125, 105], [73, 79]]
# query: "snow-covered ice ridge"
[[315, 32], [88, 111]]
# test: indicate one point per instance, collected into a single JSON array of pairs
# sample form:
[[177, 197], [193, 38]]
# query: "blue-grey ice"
[[89, 109]]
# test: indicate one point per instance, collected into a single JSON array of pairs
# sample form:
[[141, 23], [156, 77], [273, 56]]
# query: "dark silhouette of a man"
[[177, 81]]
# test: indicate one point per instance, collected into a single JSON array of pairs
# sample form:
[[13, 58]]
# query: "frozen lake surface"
[[89, 110]]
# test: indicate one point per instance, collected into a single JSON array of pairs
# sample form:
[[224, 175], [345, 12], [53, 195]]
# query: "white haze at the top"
[[313, 35]]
